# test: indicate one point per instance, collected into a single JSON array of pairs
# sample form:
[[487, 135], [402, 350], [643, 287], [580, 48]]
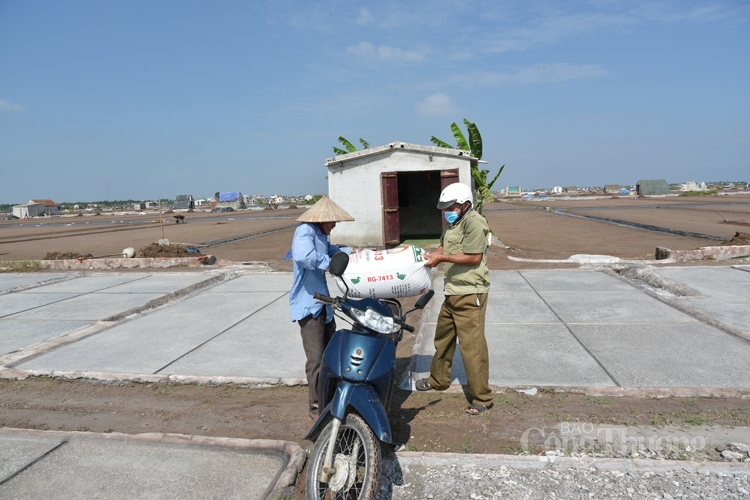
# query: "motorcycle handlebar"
[[324, 298], [407, 328]]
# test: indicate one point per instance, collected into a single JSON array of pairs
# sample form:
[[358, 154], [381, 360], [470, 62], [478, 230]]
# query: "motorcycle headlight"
[[375, 321]]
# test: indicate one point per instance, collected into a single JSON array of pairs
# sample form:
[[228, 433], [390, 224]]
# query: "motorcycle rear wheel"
[[357, 461]]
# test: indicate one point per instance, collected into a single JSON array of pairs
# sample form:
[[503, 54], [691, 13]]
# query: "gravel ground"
[[474, 477]]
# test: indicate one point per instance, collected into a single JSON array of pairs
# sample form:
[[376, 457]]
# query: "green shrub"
[[20, 266], [699, 193]]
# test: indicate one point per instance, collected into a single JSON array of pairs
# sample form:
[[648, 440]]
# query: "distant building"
[[50, 207], [31, 209], [557, 190], [183, 202], [139, 205], [652, 187], [693, 186], [513, 190], [570, 189], [612, 188], [232, 199]]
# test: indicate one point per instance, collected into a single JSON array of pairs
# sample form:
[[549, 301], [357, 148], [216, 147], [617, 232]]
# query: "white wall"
[[28, 210], [355, 187]]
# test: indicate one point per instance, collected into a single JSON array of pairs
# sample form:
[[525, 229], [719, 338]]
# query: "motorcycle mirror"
[[339, 261], [424, 299]]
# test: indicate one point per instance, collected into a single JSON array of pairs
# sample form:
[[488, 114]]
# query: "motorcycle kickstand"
[[328, 462]]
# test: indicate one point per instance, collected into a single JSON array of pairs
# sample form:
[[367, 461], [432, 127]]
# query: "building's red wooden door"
[[447, 177], [389, 194]]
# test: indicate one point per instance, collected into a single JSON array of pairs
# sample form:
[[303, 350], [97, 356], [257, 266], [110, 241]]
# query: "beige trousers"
[[461, 318]]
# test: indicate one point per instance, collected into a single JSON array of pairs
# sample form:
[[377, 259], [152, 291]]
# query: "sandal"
[[477, 409], [423, 385]]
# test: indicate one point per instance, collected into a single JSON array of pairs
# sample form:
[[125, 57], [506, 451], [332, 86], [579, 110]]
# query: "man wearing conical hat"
[[311, 254]]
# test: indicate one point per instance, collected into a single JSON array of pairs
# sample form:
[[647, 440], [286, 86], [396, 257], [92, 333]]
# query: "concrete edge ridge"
[[536, 462], [643, 276], [150, 378], [294, 455], [16, 357], [407, 378], [29, 352], [262, 382], [618, 391], [175, 295], [37, 284]]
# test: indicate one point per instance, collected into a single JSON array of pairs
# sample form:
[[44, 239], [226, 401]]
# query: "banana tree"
[[483, 187], [350, 148], [474, 146]]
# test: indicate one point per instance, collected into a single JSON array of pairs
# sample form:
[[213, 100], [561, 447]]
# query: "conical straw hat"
[[325, 210]]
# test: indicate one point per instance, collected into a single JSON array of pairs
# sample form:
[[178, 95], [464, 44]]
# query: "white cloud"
[[368, 53], [365, 16], [555, 28], [719, 12], [551, 23], [539, 73], [437, 105], [6, 106]]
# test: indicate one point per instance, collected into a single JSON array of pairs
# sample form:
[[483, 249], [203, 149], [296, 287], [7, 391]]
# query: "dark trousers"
[[316, 334]]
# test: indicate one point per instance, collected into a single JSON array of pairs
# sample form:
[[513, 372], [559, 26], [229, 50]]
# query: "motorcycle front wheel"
[[356, 463]]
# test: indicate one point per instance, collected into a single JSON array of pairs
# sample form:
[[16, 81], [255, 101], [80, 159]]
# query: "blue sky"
[[139, 99]]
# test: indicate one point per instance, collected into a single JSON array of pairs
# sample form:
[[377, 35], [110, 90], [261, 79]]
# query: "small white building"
[[50, 207], [26, 210], [392, 191]]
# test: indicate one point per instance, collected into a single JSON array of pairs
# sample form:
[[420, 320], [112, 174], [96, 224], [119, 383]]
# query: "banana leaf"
[[460, 139], [365, 144], [441, 144], [348, 145], [339, 151], [475, 139], [489, 186]]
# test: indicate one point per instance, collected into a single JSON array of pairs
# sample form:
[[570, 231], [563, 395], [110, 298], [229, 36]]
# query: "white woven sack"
[[387, 274]]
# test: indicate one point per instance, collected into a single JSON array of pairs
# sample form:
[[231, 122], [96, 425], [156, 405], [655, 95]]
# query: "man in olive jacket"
[[463, 249]]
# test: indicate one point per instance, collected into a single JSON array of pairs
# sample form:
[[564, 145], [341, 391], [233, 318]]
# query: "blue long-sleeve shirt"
[[311, 254]]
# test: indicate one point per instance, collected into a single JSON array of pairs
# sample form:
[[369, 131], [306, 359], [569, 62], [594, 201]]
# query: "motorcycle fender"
[[365, 400], [323, 419]]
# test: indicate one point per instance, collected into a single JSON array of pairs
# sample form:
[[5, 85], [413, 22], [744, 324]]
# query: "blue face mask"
[[451, 217]]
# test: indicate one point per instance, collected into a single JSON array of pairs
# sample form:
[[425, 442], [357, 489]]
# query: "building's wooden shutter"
[[389, 194], [447, 177]]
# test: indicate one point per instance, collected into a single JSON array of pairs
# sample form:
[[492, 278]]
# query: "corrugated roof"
[[404, 146]]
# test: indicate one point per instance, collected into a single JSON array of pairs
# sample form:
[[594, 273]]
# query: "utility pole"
[[161, 221], [106, 188]]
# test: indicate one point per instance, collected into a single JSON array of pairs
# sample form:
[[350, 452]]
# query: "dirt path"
[[424, 421]]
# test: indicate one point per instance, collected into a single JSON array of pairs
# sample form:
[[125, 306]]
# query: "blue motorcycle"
[[356, 384]]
